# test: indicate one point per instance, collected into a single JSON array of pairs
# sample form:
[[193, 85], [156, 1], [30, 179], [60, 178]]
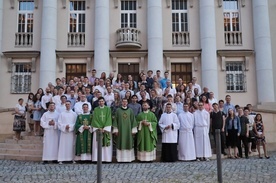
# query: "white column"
[[101, 40], [208, 45], [155, 35], [48, 43], [1, 27], [263, 52]]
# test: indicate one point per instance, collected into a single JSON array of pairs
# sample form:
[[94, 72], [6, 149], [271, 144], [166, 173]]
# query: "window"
[[235, 77], [76, 36], [181, 70], [232, 22], [180, 28], [179, 16], [75, 70], [128, 14], [77, 16], [21, 78], [24, 35]]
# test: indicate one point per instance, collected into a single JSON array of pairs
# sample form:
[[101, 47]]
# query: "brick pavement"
[[241, 170]]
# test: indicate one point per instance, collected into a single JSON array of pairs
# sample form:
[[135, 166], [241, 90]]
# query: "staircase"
[[27, 149], [30, 149]]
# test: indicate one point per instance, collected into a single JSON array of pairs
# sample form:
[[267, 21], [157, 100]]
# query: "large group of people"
[[131, 114]]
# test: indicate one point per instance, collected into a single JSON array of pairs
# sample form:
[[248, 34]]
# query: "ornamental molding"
[[12, 4], [32, 55], [116, 3], [244, 55]]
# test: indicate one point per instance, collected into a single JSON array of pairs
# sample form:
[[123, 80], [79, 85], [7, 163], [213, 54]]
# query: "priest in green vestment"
[[102, 121], [124, 127], [83, 130], [147, 134]]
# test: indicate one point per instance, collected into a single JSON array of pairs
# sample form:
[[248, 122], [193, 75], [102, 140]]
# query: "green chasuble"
[[124, 120], [146, 139], [101, 119], [84, 139]]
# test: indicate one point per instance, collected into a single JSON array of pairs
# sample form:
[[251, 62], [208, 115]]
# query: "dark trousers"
[[244, 140], [222, 139], [252, 139]]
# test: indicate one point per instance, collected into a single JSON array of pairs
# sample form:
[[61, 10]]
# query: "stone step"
[[32, 137], [21, 152], [22, 146], [21, 158], [12, 141]]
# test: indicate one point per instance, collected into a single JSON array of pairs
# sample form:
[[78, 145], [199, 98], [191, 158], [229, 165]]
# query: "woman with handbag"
[[19, 123]]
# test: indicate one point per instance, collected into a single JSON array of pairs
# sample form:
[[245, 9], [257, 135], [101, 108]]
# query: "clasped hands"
[[145, 123]]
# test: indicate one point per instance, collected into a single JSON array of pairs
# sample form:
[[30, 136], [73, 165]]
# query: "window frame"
[[16, 82], [77, 12], [25, 13], [232, 12], [128, 13], [235, 75], [179, 12]]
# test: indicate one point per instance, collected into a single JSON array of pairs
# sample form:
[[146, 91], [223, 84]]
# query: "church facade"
[[226, 44]]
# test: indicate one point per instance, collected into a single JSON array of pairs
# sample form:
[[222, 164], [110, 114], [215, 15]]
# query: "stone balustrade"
[[181, 38], [76, 39], [233, 38], [128, 37], [24, 39]]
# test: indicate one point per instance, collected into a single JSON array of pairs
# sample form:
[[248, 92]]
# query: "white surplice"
[[169, 135], [201, 134], [50, 138], [67, 137], [106, 151], [186, 143]]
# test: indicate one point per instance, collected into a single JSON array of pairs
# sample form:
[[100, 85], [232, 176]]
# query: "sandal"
[[267, 157]]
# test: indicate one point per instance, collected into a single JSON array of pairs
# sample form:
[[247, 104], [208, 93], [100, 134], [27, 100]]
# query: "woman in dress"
[[207, 106], [260, 135], [37, 113], [233, 130], [19, 123], [29, 113]]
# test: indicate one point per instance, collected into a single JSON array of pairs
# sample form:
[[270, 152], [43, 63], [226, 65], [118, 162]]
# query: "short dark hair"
[[245, 108], [100, 98]]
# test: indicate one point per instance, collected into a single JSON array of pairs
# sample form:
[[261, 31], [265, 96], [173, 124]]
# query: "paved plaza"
[[241, 170]]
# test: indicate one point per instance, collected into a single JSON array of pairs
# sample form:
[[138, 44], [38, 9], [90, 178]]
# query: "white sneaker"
[[207, 159], [60, 163]]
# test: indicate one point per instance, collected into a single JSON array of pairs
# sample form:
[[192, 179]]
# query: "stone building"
[[226, 44]]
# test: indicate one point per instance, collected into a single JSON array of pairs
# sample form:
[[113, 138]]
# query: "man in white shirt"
[[186, 144], [169, 125], [46, 98], [100, 87], [66, 124], [201, 133], [49, 122], [61, 107], [195, 85], [109, 97], [78, 105], [57, 99]]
